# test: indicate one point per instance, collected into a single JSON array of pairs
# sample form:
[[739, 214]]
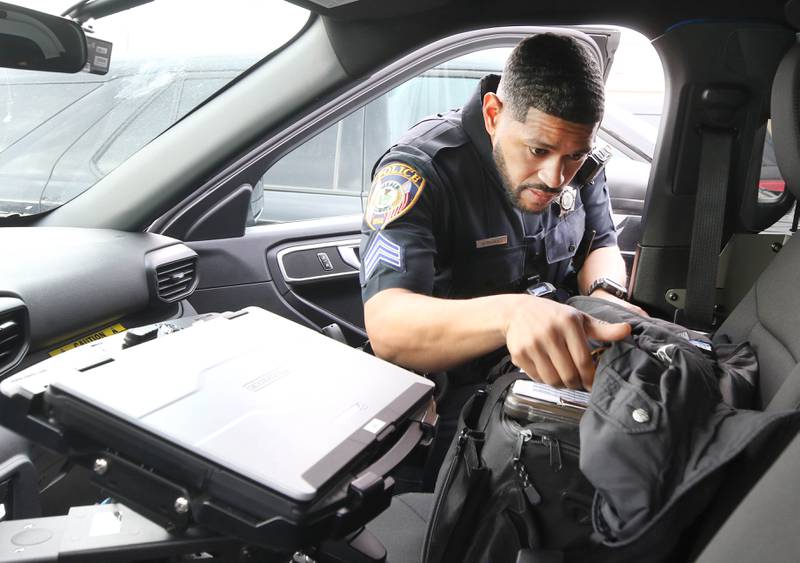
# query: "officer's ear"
[[492, 108]]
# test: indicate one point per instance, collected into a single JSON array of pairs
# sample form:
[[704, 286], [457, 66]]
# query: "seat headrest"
[[785, 109]]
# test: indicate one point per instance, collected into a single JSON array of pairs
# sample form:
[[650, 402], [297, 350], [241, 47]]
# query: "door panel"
[[306, 271]]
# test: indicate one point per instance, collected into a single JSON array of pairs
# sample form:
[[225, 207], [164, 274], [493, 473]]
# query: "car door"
[[300, 258]]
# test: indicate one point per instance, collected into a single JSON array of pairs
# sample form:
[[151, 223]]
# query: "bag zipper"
[[544, 439], [533, 496], [462, 439]]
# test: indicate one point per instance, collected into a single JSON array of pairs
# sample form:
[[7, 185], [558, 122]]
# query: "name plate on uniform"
[[494, 241]]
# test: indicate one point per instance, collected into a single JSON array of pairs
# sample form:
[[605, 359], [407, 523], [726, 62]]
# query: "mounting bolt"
[[181, 505], [100, 466], [672, 296], [776, 246]]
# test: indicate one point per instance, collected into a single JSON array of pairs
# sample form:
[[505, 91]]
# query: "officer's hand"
[[602, 294], [549, 341]]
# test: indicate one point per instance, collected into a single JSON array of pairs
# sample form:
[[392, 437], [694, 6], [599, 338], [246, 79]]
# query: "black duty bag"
[[508, 486]]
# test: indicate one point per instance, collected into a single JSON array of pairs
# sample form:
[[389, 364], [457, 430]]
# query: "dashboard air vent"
[[176, 280], [13, 332], [171, 273]]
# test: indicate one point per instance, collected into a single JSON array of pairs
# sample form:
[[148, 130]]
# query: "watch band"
[[610, 286]]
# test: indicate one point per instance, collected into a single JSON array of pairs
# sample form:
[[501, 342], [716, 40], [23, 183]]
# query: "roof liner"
[[368, 33]]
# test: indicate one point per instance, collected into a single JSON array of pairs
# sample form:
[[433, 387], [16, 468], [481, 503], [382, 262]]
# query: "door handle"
[[349, 256]]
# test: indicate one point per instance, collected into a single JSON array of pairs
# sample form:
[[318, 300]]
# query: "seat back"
[[769, 315]]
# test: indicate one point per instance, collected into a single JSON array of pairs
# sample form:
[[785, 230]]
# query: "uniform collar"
[[472, 121]]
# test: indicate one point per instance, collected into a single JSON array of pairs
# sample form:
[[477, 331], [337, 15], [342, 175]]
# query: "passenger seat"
[[767, 316]]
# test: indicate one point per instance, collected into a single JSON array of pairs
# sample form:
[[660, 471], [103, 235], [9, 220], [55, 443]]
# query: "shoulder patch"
[[395, 189]]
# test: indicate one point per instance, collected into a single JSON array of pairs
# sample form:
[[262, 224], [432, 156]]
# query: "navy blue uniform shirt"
[[439, 222]]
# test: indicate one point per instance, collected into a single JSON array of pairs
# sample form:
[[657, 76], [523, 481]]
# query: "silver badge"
[[567, 200]]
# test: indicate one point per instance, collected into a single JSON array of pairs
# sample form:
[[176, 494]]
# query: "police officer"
[[471, 207]]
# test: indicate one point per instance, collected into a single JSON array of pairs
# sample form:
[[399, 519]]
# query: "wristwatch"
[[610, 286]]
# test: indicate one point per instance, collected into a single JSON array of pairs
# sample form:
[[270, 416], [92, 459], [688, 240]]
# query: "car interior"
[[169, 233]]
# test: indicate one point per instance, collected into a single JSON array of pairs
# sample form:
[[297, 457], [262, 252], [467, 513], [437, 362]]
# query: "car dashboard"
[[63, 287]]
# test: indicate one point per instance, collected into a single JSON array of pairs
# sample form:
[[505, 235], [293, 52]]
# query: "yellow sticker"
[[115, 329], [395, 189]]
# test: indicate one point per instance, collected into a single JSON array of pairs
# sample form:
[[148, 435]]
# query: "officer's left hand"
[[602, 294]]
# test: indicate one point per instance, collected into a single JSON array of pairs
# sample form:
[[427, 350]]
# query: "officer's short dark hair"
[[555, 74]]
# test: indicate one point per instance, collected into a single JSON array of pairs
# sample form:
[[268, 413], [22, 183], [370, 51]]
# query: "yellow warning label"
[[115, 329]]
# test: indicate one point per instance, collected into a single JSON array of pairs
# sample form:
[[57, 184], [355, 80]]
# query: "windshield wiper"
[[96, 9]]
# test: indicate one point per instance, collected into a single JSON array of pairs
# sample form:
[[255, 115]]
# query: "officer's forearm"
[[430, 334], [606, 262]]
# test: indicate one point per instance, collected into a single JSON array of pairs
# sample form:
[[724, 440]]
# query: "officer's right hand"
[[549, 341]]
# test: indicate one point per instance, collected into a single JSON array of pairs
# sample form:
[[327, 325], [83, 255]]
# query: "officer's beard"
[[513, 192]]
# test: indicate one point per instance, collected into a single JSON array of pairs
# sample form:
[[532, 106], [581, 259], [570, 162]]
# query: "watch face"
[[610, 286]]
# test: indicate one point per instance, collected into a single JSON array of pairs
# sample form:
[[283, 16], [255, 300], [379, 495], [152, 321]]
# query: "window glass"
[[636, 81], [339, 160], [152, 114], [309, 166], [25, 106], [771, 184], [61, 133], [348, 171], [131, 125]]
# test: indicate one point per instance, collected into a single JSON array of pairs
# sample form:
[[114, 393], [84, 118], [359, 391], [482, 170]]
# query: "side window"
[[330, 173], [772, 187], [770, 184], [320, 178]]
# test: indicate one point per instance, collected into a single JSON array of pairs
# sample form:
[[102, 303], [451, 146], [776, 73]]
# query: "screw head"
[[672, 296], [100, 466], [181, 505], [641, 416]]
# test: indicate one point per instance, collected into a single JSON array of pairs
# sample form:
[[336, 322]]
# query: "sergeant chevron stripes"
[[382, 250]]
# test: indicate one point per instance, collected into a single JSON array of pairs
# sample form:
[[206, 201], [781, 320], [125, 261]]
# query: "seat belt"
[[716, 152]]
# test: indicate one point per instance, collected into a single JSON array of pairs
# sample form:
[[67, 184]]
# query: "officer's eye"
[[537, 151], [578, 156]]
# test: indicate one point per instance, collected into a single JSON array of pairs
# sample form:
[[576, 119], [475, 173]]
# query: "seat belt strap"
[[719, 105], [709, 218]]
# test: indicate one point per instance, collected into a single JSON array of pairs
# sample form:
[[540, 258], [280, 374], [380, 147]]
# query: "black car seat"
[[767, 317]]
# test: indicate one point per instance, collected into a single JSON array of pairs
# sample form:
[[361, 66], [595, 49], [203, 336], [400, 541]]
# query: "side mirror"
[[32, 40], [256, 204]]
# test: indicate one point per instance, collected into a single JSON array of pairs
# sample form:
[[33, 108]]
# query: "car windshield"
[[62, 133]]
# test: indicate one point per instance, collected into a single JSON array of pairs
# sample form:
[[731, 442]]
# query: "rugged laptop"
[[246, 423]]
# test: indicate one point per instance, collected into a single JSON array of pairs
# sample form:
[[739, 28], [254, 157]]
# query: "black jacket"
[[658, 431]]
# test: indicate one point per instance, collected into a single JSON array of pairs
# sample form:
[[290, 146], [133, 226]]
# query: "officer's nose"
[[552, 173]]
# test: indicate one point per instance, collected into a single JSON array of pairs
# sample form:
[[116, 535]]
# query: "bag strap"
[[494, 392]]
